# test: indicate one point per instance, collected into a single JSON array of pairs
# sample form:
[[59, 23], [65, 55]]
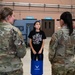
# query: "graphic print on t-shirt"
[[37, 38]]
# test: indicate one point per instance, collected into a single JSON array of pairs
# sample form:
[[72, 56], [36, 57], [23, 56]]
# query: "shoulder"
[[55, 36], [62, 30], [11, 27], [58, 33], [31, 32], [41, 31], [14, 28]]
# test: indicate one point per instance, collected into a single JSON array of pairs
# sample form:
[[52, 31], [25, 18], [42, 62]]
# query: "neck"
[[4, 21], [64, 26], [37, 30]]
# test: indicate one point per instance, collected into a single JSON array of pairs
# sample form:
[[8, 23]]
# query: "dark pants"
[[36, 56]]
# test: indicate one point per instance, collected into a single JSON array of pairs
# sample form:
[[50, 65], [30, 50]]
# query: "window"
[[49, 25], [45, 25]]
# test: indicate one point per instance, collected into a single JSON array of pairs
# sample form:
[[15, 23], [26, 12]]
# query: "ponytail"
[[67, 18], [70, 26]]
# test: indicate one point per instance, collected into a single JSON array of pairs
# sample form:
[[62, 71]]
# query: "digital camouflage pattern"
[[62, 52], [12, 48], [16, 72]]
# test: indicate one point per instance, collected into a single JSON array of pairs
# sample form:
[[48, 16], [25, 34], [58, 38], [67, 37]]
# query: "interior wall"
[[45, 1], [41, 13]]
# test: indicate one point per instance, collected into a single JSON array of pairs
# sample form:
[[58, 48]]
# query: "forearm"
[[42, 47], [31, 45]]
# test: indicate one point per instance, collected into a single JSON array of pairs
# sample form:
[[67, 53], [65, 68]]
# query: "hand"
[[40, 52], [34, 52]]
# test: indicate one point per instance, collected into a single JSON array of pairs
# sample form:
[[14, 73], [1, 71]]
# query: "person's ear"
[[62, 22], [8, 17]]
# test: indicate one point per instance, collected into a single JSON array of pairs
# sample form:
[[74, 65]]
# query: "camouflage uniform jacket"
[[12, 48], [62, 49]]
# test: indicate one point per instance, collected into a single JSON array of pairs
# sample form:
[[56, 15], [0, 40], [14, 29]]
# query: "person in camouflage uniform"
[[12, 46], [62, 47]]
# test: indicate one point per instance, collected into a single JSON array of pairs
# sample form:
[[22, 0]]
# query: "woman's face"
[[61, 22], [11, 18], [37, 26]]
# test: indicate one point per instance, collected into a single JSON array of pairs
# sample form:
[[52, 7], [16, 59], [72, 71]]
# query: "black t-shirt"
[[37, 39]]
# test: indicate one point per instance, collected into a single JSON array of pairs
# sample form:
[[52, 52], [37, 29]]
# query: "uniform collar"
[[65, 27], [1, 23]]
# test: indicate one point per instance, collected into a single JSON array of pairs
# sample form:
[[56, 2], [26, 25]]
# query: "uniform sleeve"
[[20, 45], [52, 47]]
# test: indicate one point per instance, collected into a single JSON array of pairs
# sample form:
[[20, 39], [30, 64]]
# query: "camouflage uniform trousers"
[[62, 71], [16, 72]]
